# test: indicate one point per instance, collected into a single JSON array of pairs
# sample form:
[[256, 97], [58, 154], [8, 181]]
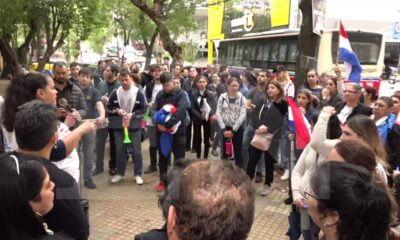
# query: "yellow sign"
[[215, 19], [280, 12]]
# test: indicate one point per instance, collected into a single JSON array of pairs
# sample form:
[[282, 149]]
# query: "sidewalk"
[[118, 212]]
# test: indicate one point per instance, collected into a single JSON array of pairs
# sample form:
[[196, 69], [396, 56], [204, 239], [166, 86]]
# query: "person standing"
[[151, 90], [231, 115], [74, 69], [127, 103], [69, 91], [93, 101], [106, 87], [203, 106], [176, 97], [268, 120], [255, 96]]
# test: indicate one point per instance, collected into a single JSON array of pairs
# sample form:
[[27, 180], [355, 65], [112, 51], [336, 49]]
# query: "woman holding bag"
[[231, 115], [269, 120]]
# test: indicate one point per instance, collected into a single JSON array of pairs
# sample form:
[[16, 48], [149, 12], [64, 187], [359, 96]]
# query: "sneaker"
[[150, 169], [214, 153], [266, 190], [113, 171], [90, 184], [285, 175], [117, 179], [138, 180], [160, 187], [97, 172], [259, 177]]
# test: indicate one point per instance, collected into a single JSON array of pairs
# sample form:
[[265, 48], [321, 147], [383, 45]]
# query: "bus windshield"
[[366, 46]]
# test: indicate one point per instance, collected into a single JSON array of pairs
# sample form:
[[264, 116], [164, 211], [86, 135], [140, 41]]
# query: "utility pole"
[[308, 43]]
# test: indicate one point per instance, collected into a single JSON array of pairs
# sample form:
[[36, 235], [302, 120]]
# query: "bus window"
[[253, 51], [259, 52], [274, 52], [282, 52], [292, 55], [366, 46], [266, 52]]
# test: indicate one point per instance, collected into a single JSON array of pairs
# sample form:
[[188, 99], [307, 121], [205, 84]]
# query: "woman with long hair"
[[345, 203], [231, 116], [332, 94], [269, 120], [24, 88], [203, 106], [26, 195], [358, 127], [312, 84]]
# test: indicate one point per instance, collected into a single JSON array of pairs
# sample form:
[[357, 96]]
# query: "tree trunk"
[[308, 43], [157, 15], [11, 66], [23, 50]]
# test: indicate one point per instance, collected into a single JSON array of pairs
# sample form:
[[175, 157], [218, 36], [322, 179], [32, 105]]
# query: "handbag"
[[262, 141]]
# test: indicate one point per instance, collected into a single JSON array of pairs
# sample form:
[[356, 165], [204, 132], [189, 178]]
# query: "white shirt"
[[344, 114]]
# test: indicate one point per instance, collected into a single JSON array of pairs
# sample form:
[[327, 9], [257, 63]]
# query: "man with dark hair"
[[68, 91], [98, 72], [166, 62], [93, 101], [36, 133], [127, 103], [207, 196], [106, 88], [74, 69], [176, 97]]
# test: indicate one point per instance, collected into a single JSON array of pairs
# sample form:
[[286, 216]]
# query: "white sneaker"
[[117, 178], [138, 180], [266, 190], [285, 175]]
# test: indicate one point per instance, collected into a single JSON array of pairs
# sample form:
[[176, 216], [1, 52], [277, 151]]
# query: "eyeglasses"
[[306, 194], [349, 91]]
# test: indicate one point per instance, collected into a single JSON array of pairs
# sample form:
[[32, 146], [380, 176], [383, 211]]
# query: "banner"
[[280, 13], [318, 9]]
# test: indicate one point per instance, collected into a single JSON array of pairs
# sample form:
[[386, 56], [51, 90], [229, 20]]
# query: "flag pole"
[[337, 49]]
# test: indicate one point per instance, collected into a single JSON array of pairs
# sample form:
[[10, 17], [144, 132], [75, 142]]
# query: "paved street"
[[118, 212]]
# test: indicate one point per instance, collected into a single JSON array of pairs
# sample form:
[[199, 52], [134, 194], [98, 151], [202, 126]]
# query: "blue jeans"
[[86, 144], [247, 137], [121, 148]]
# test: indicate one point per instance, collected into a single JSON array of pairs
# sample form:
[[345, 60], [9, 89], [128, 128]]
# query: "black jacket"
[[195, 108], [271, 116], [178, 99], [359, 109], [393, 147], [138, 110]]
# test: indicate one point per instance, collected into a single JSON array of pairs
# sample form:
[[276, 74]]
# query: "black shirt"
[[67, 215]]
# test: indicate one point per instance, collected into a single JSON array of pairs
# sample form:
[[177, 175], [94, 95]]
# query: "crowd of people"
[[344, 184]]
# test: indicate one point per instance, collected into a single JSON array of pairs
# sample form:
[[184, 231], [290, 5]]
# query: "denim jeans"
[[247, 137], [86, 145], [121, 148]]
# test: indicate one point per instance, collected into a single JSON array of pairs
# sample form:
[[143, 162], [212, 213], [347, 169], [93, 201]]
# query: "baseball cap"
[[279, 68]]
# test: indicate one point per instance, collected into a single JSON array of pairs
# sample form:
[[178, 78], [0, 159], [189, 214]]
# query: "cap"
[[279, 68]]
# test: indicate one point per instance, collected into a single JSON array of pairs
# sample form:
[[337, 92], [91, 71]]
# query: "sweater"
[[231, 115]]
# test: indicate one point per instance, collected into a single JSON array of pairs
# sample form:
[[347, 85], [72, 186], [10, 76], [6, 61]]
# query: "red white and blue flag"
[[346, 54], [299, 124]]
